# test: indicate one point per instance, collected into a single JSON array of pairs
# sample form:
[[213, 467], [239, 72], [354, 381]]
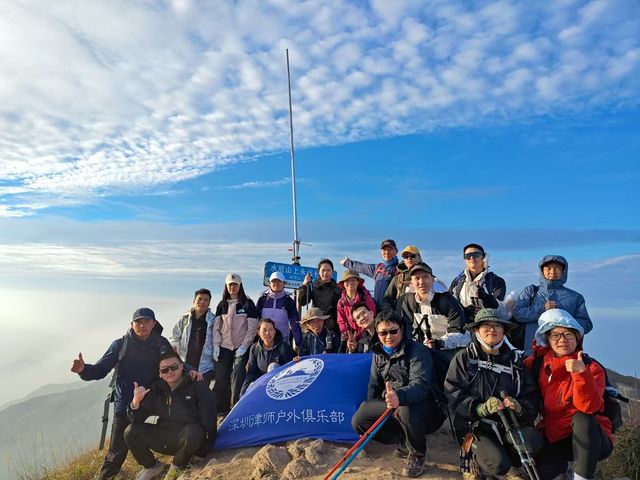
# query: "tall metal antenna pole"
[[296, 241]]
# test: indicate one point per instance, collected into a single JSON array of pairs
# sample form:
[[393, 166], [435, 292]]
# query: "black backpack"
[[611, 396]]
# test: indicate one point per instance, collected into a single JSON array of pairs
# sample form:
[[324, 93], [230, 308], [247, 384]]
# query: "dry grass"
[[83, 467], [625, 459]]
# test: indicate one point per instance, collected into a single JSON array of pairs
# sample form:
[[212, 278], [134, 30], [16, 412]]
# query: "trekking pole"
[[105, 421], [520, 445], [351, 454]]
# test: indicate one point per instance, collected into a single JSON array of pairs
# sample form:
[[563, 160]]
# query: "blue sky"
[[144, 152]]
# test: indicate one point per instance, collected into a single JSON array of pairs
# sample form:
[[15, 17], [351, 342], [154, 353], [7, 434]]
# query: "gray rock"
[[313, 452], [271, 457], [297, 469]]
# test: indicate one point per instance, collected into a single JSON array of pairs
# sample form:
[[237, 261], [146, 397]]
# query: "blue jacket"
[[381, 273], [140, 364], [530, 303]]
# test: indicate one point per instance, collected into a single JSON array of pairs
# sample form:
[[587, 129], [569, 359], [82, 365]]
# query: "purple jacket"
[[281, 308]]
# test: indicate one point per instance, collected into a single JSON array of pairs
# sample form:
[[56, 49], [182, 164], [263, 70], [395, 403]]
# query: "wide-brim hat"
[[552, 318], [489, 315], [313, 313], [347, 274]]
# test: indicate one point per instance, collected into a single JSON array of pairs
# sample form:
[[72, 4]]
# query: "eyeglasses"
[[491, 326], [170, 368], [566, 335], [384, 333], [409, 255], [470, 255]]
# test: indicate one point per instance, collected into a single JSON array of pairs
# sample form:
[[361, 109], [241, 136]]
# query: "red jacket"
[[345, 320], [566, 393]]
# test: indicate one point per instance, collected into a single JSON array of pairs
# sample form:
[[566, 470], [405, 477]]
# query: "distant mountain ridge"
[[49, 429], [47, 390]]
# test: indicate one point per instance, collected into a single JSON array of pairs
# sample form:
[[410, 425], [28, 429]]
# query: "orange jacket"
[[566, 393]]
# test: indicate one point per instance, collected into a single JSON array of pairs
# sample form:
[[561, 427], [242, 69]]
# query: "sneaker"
[[174, 472], [401, 452], [415, 466], [151, 472]]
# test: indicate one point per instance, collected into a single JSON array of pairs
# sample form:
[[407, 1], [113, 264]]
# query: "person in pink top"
[[353, 293]]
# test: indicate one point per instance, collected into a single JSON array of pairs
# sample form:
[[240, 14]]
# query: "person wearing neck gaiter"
[[477, 377], [382, 273]]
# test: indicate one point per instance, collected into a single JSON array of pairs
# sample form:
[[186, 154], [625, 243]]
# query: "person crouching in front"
[[317, 339], [185, 412], [401, 378]]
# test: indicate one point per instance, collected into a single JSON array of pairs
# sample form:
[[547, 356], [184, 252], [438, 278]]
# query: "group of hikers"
[[462, 352]]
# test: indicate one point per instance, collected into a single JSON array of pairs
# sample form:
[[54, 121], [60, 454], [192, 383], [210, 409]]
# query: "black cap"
[[143, 312], [388, 243], [421, 266]]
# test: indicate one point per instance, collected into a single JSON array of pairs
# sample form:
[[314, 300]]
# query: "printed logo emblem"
[[294, 379]]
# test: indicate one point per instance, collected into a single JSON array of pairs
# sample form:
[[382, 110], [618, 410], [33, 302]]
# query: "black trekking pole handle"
[[527, 462]]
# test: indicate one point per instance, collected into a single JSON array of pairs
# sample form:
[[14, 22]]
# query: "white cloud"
[[102, 98]]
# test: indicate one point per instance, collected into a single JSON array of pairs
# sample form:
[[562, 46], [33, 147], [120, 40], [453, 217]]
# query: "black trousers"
[[177, 439], [495, 457], [412, 422], [117, 448], [587, 446], [230, 372]]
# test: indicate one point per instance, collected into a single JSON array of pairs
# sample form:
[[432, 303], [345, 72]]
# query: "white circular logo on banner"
[[294, 379]]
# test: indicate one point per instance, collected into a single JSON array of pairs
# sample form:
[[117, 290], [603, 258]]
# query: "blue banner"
[[314, 397]]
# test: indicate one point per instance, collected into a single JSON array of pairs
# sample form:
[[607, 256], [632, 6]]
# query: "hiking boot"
[[174, 472], [151, 472], [415, 465]]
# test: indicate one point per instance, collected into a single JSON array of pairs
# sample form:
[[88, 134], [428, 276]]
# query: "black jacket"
[[366, 342], [441, 304], [316, 344], [260, 358], [409, 369], [190, 402], [468, 384], [324, 296]]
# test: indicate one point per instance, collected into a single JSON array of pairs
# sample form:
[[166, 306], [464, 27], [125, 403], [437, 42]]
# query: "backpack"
[[516, 335], [474, 364], [611, 396]]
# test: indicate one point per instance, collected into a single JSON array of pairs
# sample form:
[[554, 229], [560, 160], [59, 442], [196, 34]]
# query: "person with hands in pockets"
[[228, 341]]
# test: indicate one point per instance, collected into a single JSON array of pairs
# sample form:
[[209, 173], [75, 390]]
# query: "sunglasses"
[[471, 255], [409, 255], [384, 333], [170, 368]]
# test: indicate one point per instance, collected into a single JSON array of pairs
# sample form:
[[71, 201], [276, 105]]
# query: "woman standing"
[[353, 292], [323, 292], [477, 378], [228, 342], [476, 287], [572, 387]]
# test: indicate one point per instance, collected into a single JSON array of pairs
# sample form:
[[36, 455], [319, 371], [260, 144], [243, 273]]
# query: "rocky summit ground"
[[312, 459]]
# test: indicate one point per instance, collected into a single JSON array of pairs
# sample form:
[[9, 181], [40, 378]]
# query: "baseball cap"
[[411, 249], [232, 278], [388, 243], [421, 266], [277, 276], [143, 312]]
